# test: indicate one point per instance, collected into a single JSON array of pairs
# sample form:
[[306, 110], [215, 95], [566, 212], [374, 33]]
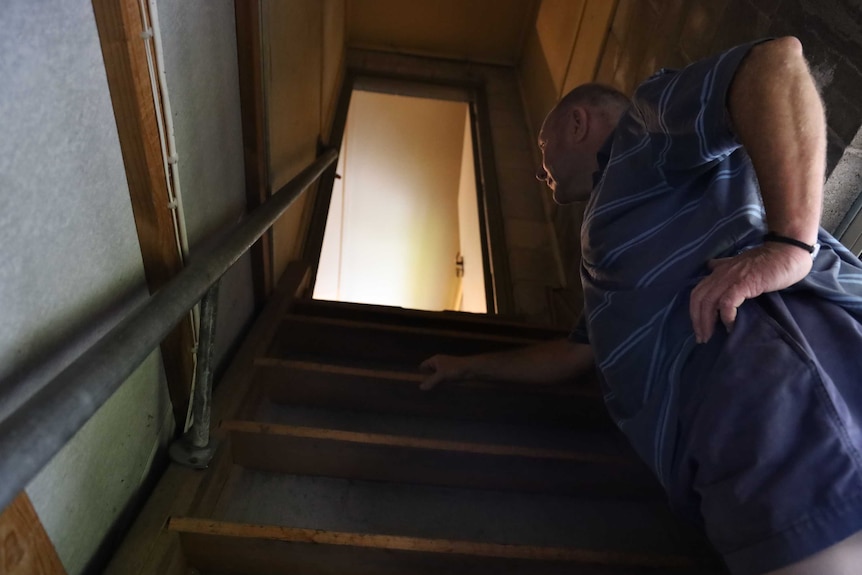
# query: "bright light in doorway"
[[395, 221]]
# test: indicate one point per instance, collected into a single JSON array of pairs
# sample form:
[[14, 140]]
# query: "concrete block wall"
[[843, 190], [533, 264], [651, 34]]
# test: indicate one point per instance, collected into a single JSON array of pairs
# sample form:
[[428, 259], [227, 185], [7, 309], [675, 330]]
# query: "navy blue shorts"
[[768, 446]]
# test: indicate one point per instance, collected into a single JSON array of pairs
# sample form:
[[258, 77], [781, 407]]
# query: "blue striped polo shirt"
[[674, 190]]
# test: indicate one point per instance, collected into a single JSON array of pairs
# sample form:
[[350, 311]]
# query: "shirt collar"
[[603, 156]]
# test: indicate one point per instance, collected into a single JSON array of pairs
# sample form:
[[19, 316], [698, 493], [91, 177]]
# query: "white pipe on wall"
[[161, 92], [164, 119]]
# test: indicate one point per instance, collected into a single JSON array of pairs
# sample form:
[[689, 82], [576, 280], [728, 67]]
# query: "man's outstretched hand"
[[770, 267], [443, 368]]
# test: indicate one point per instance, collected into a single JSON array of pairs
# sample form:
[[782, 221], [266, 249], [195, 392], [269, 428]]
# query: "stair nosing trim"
[[212, 527], [387, 440], [372, 326], [408, 377]]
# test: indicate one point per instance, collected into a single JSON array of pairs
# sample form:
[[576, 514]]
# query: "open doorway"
[[403, 227]]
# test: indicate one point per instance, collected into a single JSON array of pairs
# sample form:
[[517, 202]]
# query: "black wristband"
[[773, 237]]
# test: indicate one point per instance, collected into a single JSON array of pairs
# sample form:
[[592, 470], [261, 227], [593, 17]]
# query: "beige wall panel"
[[610, 59], [478, 30], [293, 55], [334, 14], [587, 53], [289, 231], [562, 51], [536, 83], [557, 25]]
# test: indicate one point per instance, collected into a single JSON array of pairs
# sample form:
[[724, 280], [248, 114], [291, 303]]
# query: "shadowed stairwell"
[[332, 460]]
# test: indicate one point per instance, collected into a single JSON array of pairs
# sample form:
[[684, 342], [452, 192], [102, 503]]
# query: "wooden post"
[[120, 28], [247, 13]]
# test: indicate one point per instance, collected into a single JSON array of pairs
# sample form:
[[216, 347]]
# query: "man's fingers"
[[728, 309], [694, 310], [432, 364], [707, 318], [702, 310], [733, 280], [430, 382], [711, 301], [441, 368], [705, 297]]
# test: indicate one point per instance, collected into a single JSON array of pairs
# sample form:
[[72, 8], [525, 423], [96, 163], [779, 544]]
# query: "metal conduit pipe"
[[31, 436], [200, 431], [194, 449]]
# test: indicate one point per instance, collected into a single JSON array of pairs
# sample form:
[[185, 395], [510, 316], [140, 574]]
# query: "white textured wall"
[[70, 261], [199, 39]]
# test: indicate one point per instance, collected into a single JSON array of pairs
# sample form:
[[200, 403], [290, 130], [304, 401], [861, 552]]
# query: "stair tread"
[[315, 337], [362, 455], [464, 321], [512, 434], [360, 387], [452, 513], [241, 548], [413, 376], [335, 322], [269, 429]]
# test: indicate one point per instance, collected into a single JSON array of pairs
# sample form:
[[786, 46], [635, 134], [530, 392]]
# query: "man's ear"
[[579, 118]]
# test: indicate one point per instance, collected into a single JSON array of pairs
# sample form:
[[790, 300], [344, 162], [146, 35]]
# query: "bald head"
[[602, 99], [571, 135]]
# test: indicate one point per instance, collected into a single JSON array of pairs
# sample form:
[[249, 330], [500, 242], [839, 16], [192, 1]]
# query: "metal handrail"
[[37, 430]]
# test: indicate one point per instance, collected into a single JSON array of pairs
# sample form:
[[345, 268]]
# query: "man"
[[725, 326]]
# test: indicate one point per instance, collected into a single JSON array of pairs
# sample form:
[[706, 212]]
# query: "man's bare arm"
[[555, 361], [778, 116]]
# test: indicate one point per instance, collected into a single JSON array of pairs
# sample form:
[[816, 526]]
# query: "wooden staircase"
[[332, 461]]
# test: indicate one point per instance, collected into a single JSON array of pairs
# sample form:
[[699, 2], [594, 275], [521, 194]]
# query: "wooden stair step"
[[383, 457], [443, 320], [312, 337], [297, 382], [242, 548], [442, 512], [525, 435]]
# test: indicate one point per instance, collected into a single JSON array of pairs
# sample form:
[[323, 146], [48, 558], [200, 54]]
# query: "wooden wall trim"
[[25, 548], [120, 26], [252, 107], [496, 260], [320, 209]]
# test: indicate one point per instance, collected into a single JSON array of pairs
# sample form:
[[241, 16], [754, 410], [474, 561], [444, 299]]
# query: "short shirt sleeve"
[[685, 111]]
